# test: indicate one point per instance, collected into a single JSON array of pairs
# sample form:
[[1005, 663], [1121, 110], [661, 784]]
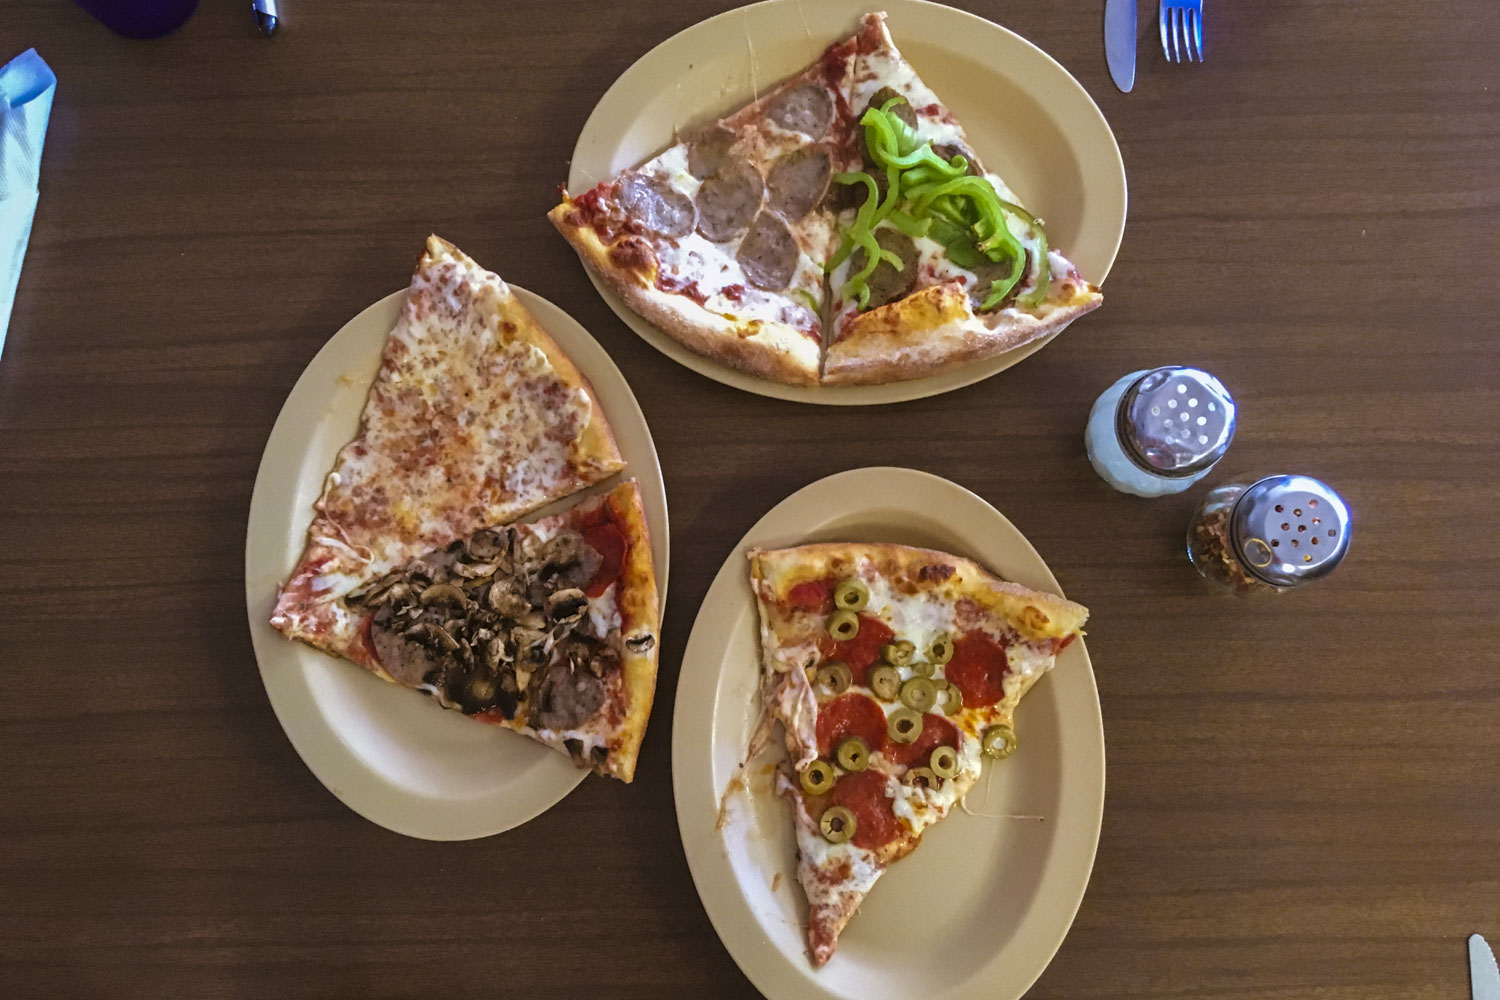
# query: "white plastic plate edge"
[[715, 709], [718, 64], [391, 755]]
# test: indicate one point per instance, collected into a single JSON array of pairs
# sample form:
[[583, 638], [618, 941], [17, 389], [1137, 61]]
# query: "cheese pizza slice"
[[721, 239], [939, 264], [476, 417], [894, 671]]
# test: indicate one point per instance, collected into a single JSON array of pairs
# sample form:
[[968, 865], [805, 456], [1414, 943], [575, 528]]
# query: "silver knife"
[[1119, 42], [1484, 977]]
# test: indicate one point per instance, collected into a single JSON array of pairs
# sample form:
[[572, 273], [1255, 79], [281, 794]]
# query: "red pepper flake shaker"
[[1274, 534]]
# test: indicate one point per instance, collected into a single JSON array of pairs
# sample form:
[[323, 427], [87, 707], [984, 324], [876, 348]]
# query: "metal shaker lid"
[[1289, 530], [1176, 421]]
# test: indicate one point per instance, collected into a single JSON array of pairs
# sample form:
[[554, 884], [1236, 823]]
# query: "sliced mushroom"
[[643, 643], [432, 635], [487, 545], [495, 652], [474, 571], [503, 599], [562, 549], [444, 593], [567, 605]]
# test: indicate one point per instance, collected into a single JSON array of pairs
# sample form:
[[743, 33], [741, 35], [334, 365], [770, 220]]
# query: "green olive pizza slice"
[[894, 673]]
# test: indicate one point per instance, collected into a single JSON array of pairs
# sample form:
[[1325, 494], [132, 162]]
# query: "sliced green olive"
[[922, 776], [885, 681], [898, 653], [944, 761], [904, 725], [843, 625], [838, 824], [853, 755], [950, 698], [940, 650], [919, 693], [835, 676], [998, 742], [851, 595], [817, 779], [924, 669]]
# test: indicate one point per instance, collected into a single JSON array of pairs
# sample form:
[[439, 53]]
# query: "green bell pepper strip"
[[862, 234], [1033, 297], [907, 224]]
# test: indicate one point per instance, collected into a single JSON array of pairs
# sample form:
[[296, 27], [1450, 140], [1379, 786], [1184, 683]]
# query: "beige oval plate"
[[1027, 117], [984, 902], [392, 755]]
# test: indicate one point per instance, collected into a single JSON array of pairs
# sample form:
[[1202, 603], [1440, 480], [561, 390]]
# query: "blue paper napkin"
[[26, 88]]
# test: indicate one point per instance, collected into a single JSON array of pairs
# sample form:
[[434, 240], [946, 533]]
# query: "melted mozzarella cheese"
[[604, 612]]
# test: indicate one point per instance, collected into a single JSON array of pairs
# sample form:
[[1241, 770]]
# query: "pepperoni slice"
[[609, 541], [814, 595], [978, 668], [936, 732], [851, 714], [863, 793], [861, 652]]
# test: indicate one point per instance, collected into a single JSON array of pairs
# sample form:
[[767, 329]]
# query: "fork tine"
[[1183, 46], [1163, 15], [1198, 33]]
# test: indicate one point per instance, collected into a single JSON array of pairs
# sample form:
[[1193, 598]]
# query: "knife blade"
[[1484, 977], [1119, 42]]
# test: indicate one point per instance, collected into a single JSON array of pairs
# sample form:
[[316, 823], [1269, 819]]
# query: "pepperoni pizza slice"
[[721, 240], [894, 672], [938, 264]]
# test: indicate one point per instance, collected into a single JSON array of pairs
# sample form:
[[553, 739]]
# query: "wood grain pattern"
[[1304, 793]]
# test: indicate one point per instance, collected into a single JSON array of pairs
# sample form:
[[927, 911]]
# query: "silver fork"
[[1181, 29]]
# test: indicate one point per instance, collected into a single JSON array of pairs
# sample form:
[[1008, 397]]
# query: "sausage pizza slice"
[[721, 240], [894, 672]]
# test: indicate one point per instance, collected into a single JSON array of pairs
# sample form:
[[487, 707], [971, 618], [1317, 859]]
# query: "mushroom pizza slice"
[[548, 628]]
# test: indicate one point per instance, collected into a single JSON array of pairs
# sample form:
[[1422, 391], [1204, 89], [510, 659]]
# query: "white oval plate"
[[991, 898], [1028, 118], [392, 755]]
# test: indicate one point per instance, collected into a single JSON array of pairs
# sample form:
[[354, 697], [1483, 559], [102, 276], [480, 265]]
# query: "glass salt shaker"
[[1159, 431], [1274, 534]]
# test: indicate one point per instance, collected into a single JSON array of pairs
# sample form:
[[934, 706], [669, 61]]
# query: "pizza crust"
[[776, 351], [636, 598], [936, 328], [1034, 614]]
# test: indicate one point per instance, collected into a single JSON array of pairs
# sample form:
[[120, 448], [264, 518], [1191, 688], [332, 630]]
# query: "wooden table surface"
[[1304, 793]]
